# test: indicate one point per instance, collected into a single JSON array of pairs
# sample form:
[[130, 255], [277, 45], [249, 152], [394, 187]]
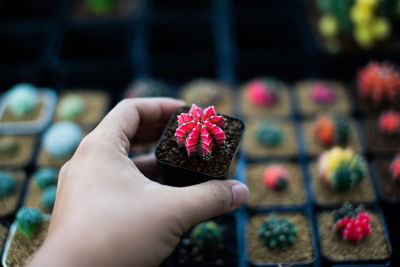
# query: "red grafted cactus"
[[200, 131], [379, 82], [389, 123], [275, 177], [395, 169], [262, 93], [352, 223], [322, 94]]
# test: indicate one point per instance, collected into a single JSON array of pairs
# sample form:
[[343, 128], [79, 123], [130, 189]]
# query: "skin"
[[108, 211]]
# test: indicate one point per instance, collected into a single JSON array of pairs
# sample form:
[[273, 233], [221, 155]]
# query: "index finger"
[[122, 122]]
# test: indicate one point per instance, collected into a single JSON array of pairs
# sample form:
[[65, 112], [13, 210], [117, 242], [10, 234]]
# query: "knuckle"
[[87, 145]]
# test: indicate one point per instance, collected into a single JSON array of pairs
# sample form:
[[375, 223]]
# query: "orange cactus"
[[324, 130]]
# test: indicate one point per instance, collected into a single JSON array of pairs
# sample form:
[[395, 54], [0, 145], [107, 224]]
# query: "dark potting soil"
[[188, 254], [390, 189], [377, 142], [374, 246], [169, 151]]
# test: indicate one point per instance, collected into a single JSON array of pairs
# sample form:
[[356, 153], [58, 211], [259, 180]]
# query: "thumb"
[[207, 200]]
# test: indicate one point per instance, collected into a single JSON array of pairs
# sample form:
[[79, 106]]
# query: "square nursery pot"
[[303, 252], [187, 253], [373, 249], [180, 170]]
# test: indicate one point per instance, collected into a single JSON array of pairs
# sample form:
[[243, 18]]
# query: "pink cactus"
[[261, 94], [322, 94], [355, 228], [200, 131], [275, 177], [395, 169], [389, 123]]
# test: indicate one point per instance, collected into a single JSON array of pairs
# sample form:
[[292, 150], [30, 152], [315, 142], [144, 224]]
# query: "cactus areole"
[[200, 131]]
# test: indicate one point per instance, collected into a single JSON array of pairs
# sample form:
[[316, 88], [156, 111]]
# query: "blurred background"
[[88, 53], [103, 43]]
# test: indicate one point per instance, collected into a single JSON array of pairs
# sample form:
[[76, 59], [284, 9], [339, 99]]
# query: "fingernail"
[[240, 194]]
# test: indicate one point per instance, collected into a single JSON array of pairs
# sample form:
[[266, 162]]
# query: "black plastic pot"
[[176, 175], [225, 256]]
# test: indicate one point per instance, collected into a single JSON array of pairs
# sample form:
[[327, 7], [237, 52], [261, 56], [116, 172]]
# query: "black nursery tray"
[[186, 254]]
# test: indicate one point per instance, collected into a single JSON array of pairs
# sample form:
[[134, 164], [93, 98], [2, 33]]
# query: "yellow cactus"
[[367, 3], [328, 26], [364, 37], [380, 28], [332, 158], [361, 15]]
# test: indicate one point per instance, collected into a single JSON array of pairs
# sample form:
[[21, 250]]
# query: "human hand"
[[108, 213]]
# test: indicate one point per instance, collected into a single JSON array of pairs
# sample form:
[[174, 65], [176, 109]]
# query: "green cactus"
[[277, 233], [101, 7], [29, 221], [346, 210], [207, 235], [48, 197], [45, 177], [71, 107], [349, 174], [7, 184], [342, 129], [269, 135], [8, 146]]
